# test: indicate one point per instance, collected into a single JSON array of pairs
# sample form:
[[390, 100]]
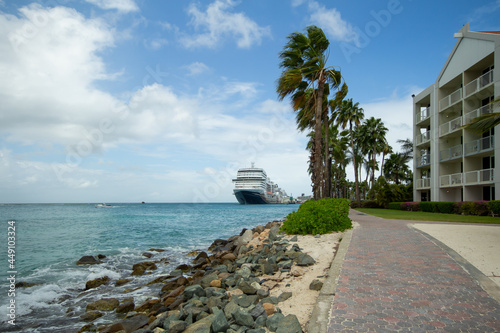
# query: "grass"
[[424, 216]]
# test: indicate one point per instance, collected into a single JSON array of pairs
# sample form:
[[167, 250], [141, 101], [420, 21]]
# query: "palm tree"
[[376, 132], [396, 168], [386, 150], [351, 113], [407, 147], [303, 61], [487, 121]]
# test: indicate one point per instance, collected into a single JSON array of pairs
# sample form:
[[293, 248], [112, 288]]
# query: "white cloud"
[[120, 5], [155, 43], [218, 22], [197, 68], [330, 20]]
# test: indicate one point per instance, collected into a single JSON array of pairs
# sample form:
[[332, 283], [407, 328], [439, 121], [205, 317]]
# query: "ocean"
[[48, 239]]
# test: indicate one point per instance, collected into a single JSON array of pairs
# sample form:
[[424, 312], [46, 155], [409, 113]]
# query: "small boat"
[[102, 205]]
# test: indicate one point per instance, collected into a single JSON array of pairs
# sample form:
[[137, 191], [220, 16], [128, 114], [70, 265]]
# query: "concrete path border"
[[320, 316]]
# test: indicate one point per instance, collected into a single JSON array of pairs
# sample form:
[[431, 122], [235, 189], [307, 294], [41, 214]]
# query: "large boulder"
[[88, 260], [104, 304], [91, 284], [142, 267], [289, 324], [201, 326]]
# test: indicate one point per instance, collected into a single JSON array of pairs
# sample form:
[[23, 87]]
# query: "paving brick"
[[394, 279]]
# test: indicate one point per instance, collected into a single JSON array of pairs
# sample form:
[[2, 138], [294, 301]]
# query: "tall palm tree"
[[485, 122], [376, 132], [386, 150], [350, 113], [396, 168], [406, 147], [304, 63]]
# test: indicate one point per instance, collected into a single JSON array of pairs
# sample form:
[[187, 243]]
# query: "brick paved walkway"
[[394, 279]]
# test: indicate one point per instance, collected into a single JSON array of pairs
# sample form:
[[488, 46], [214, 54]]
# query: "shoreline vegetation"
[[259, 280]]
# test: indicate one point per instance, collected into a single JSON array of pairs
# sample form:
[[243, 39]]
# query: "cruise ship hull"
[[247, 197]]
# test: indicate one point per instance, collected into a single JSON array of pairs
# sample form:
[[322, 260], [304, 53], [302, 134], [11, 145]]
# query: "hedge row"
[[319, 217], [480, 208]]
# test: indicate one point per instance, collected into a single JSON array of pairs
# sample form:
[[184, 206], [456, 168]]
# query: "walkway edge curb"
[[320, 316], [485, 282]]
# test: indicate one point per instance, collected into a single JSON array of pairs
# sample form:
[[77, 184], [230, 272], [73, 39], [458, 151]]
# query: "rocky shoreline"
[[243, 284]]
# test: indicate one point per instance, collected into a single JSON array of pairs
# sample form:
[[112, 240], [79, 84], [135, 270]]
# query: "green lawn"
[[424, 216]]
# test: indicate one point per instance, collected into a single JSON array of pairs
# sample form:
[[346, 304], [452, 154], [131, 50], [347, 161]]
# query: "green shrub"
[[319, 217], [426, 206], [494, 206], [472, 208], [395, 205], [370, 204], [445, 207], [411, 206]]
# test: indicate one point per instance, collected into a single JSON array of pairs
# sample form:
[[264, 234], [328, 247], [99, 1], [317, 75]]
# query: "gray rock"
[[273, 233], [305, 260], [243, 318], [247, 288], [272, 322], [271, 299], [284, 296], [193, 290], [205, 282], [105, 304], [261, 321], [316, 285], [201, 326], [176, 326], [219, 323], [245, 238], [230, 308], [88, 260], [262, 293], [256, 330], [289, 324], [245, 300], [91, 316], [294, 239], [166, 321], [125, 307], [257, 311]]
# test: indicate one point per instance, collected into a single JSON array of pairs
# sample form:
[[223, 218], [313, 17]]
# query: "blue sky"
[[162, 101]]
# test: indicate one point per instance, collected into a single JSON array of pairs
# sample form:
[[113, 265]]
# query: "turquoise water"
[[51, 238]]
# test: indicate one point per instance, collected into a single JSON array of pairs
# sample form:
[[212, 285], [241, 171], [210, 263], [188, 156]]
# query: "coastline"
[[274, 271]]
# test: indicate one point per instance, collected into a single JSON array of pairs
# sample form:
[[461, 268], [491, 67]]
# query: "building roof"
[[490, 32]]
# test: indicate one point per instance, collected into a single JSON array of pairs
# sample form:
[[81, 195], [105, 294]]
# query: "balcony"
[[423, 138], [423, 160], [450, 126], [423, 183], [450, 180], [469, 116], [479, 146], [451, 99], [423, 115], [478, 83], [450, 153], [479, 177]]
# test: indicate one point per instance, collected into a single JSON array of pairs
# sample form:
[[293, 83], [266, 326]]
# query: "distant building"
[[451, 163]]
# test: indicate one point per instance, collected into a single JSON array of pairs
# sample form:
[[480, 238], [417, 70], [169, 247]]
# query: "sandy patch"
[[478, 244], [303, 299]]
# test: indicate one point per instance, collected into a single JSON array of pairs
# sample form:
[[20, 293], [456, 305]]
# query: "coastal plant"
[[412, 206], [479, 208], [319, 217], [494, 207], [395, 205]]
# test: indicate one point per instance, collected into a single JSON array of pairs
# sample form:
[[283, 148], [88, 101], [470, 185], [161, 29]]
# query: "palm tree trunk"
[[318, 175], [358, 199], [382, 164], [373, 165], [327, 172]]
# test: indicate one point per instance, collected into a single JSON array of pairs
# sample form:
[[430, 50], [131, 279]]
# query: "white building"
[[451, 163]]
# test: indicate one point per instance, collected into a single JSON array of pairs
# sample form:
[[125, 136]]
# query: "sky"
[[163, 101]]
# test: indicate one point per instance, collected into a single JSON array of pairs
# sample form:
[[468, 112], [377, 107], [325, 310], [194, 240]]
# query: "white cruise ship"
[[253, 187]]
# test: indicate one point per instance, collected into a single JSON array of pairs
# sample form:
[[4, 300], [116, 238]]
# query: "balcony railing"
[[423, 115], [480, 145], [450, 126], [423, 160], [469, 116], [478, 83], [450, 153], [423, 183], [479, 176], [424, 137], [450, 180], [450, 99]]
